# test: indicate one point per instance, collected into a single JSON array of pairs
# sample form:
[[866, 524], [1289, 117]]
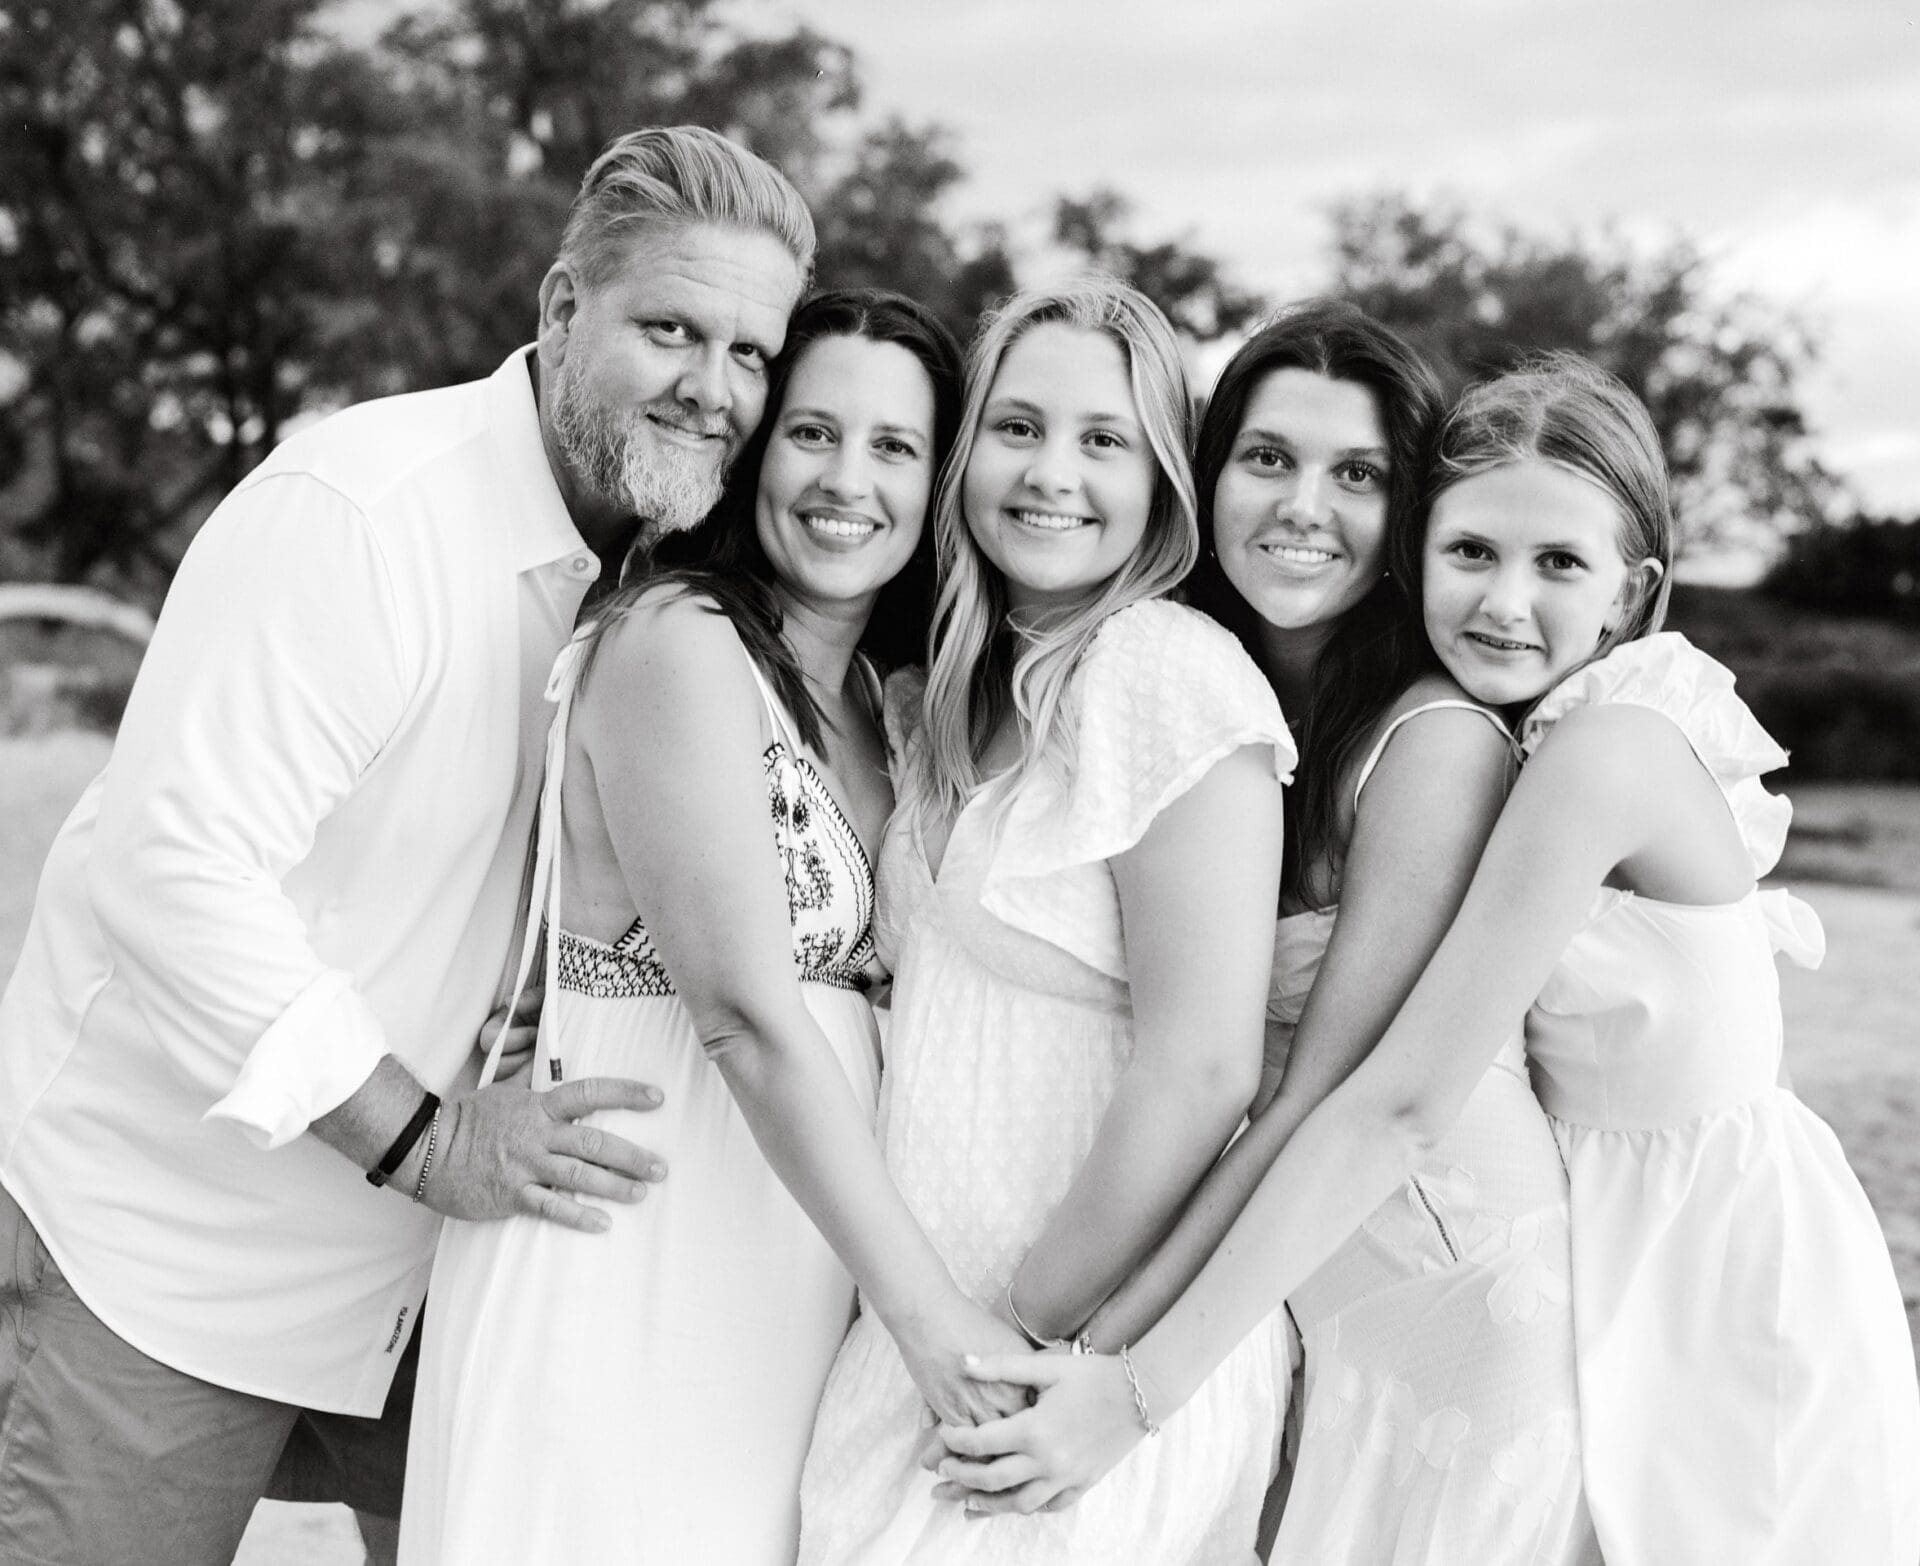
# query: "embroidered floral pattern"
[[829, 898]]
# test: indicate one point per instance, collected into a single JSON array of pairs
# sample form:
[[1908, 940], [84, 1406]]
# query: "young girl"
[[1077, 901], [1747, 1384]]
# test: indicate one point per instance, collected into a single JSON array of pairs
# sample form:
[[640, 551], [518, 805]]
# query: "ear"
[[560, 296], [1642, 578]]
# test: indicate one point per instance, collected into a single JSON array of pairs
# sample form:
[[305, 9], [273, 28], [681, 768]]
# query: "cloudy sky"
[[1782, 136]]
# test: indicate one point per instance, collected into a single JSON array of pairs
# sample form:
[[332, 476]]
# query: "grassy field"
[[1853, 1039]]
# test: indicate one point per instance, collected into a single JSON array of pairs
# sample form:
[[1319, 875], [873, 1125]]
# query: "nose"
[[847, 475], [704, 383], [1506, 600], [1309, 502], [1050, 470]]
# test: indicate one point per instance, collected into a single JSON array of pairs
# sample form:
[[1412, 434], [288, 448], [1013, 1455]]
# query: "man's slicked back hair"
[[668, 176]]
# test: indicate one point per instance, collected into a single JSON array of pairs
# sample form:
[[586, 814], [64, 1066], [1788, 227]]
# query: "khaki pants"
[[109, 1458]]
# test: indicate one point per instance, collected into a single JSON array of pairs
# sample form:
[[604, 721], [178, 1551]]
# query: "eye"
[[1362, 476], [752, 355], [1468, 551], [674, 332], [1269, 458], [1562, 561], [1105, 440], [1016, 427], [810, 433], [893, 446]]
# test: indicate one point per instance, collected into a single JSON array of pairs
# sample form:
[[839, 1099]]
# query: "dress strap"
[[1380, 745], [782, 725], [543, 894]]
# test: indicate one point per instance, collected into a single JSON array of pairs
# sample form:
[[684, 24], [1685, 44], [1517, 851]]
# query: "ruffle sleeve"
[[1669, 674], [1162, 694]]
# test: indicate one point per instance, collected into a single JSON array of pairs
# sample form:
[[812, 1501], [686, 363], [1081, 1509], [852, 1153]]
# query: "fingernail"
[[969, 1360], [654, 1099], [656, 1171]]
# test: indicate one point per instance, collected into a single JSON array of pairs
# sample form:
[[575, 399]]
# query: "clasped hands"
[[1064, 1419]]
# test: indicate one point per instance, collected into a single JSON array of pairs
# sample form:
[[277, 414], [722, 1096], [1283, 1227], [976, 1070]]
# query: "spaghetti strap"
[[777, 714], [1380, 745]]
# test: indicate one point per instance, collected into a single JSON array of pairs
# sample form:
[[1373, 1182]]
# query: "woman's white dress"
[[1439, 1423], [1747, 1381], [1010, 1029], [645, 1395]]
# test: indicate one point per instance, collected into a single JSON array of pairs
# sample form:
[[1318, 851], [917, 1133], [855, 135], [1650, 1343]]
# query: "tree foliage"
[[1720, 373], [218, 216]]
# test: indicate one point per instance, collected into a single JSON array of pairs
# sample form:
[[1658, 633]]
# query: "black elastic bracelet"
[[403, 1144]]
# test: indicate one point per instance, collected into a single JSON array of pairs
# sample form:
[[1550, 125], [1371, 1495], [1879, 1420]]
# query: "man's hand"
[[502, 1149], [506, 1150]]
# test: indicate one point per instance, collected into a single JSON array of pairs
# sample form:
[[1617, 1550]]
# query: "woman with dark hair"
[[1439, 1421], [716, 782]]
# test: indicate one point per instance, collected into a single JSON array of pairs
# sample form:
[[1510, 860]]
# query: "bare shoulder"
[[1613, 759], [673, 650], [1443, 748]]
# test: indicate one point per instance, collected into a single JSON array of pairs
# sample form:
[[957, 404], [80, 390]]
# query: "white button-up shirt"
[[305, 851]]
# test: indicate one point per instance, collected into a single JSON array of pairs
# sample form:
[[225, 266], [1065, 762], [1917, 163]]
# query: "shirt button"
[[584, 565]]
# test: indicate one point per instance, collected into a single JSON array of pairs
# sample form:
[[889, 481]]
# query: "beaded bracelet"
[[1139, 1397], [426, 1162]]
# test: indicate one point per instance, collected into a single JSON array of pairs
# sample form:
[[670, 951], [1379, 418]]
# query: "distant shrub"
[[1870, 565], [1859, 725]]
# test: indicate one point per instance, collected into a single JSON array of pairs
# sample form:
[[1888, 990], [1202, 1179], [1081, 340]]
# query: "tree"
[[1192, 288], [1720, 373], [165, 189]]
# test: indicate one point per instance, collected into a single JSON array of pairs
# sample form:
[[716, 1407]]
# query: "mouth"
[[1306, 556], [686, 434], [1500, 644], [845, 527], [1050, 521]]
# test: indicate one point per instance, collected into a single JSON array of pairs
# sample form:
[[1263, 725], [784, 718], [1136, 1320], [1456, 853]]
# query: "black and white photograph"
[[834, 783]]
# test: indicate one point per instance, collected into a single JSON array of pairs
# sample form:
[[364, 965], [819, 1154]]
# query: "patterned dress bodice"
[[829, 897]]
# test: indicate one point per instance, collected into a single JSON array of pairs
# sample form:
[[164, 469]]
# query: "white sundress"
[[1747, 1382], [645, 1395], [1011, 1026], [1439, 1424]]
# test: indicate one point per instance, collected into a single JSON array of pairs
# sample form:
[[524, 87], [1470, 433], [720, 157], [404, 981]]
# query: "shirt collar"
[[542, 530]]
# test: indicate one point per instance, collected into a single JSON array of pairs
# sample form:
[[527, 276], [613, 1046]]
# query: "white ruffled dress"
[[1439, 1423], [1011, 1026], [1747, 1382]]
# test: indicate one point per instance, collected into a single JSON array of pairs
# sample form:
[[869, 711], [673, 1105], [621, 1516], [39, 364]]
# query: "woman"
[[645, 1393], [1746, 1380], [1077, 898]]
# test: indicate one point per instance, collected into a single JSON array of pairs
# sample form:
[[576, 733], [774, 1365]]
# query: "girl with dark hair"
[[1439, 1420], [717, 781]]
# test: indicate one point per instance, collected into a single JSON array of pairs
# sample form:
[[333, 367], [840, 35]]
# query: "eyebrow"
[[1024, 406], [890, 426], [1252, 432]]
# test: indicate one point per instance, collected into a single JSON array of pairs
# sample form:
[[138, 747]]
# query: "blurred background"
[[221, 219]]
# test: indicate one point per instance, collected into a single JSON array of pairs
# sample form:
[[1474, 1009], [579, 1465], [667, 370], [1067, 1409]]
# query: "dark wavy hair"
[[722, 560], [1380, 646]]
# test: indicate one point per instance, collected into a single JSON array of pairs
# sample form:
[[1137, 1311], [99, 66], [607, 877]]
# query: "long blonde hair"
[[985, 663]]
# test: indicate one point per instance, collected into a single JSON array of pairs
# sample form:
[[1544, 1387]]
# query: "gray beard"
[[669, 489]]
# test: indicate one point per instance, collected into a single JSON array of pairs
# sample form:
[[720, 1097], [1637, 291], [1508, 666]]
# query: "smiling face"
[[848, 472], [1300, 509], [1524, 576], [1059, 485], [656, 375]]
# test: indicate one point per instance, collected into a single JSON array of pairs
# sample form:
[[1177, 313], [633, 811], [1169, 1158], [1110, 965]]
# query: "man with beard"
[[236, 1056]]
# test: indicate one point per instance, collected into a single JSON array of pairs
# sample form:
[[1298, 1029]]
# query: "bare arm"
[[1418, 831], [1583, 806], [1197, 895], [670, 722]]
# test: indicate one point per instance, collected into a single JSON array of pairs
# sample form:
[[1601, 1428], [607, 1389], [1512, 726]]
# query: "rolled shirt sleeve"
[[277, 674]]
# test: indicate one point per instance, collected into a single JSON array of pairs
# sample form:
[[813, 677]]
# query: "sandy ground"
[[1853, 1026]]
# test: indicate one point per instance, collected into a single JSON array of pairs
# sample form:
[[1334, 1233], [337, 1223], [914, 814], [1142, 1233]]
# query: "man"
[[285, 905]]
